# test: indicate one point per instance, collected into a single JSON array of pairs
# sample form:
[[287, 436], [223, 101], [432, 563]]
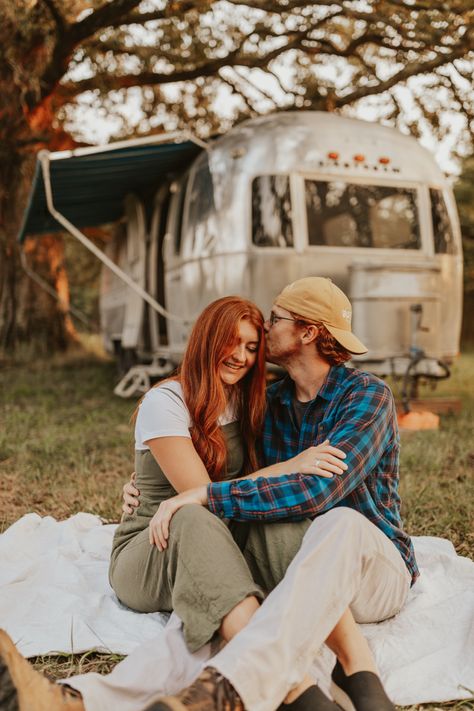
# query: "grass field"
[[66, 446]]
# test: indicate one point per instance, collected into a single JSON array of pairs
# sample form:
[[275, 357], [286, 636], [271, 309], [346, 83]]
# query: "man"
[[354, 554]]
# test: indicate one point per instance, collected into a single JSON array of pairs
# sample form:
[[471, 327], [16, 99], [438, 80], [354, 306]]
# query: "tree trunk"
[[29, 316]]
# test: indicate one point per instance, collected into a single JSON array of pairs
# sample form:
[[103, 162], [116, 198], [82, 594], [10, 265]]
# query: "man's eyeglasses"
[[274, 318]]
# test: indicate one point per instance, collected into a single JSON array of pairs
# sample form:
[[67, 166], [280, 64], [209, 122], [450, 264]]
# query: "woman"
[[198, 427]]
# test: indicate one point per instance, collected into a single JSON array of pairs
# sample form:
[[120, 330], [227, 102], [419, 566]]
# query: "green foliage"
[[464, 193]]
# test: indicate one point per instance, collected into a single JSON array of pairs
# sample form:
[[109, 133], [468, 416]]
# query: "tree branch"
[[465, 108], [423, 67], [75, 34], [235, 90], [278, 80], [109, 13], [462, 73], [111, 82], [137, 18], [424, 7], [397, 108], [246, 80], [56, 15], [277, 8]]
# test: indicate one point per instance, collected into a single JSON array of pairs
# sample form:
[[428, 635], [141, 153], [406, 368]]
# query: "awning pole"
[[43, 157]]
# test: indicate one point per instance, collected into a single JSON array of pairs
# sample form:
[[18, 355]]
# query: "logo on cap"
[[346, 315]]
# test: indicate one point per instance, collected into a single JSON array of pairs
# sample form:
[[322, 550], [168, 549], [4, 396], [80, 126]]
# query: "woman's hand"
[[159, 526], [322, 460], [130, 499]]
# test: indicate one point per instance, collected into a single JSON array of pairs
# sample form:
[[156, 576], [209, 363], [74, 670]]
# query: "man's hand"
[[159, 526], [130, 496], [322, 460]]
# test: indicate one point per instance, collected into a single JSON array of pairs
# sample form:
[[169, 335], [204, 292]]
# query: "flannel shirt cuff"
[[219, 501]]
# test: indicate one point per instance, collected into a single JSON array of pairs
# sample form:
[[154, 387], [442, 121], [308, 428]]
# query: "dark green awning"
[[89, 189]]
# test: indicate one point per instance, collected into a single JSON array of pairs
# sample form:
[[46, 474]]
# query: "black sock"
[[364, 689], [312, 699]]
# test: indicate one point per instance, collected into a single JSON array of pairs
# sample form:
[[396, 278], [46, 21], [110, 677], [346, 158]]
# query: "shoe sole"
[[8, 693], [341, 698]]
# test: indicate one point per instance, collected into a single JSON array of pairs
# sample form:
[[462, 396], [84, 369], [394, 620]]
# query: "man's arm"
[[365, 428]]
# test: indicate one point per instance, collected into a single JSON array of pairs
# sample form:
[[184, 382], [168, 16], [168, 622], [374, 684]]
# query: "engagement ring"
[[317, 462]]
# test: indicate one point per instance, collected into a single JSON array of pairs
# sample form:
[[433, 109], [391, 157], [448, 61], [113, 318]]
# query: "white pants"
[[344, 560]]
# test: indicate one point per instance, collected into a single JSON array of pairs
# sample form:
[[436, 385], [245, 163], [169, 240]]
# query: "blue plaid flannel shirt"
[[356, 412]]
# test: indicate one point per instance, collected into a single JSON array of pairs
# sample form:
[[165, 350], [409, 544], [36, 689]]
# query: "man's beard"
[[281, 356]]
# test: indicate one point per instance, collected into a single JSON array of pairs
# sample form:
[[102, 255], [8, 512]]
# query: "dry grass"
[[64, 666], [437, 469], [65, 440], [66, 446]]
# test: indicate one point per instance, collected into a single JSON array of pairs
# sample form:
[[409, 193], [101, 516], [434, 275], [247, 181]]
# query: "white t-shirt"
[[163, 413]]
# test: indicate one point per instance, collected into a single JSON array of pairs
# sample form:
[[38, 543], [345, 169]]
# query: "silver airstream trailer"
[[295, 194], [282, 197]]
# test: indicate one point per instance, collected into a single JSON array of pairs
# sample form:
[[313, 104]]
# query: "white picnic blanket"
[[55, 597]]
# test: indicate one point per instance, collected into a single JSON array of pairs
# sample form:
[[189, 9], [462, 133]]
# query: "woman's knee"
[[192, 517]]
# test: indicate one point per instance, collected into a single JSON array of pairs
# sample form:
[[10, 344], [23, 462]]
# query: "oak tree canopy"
[[205, 64]]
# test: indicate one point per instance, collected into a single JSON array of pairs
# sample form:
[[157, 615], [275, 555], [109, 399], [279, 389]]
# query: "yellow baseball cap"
[[317, 299]]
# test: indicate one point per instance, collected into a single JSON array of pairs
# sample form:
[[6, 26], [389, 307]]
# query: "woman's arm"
[[185, 471], [181, 464], [163, 424]]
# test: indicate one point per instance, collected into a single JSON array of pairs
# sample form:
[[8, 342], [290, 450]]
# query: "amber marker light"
[[359, 158], [384, 160], [333, 155]]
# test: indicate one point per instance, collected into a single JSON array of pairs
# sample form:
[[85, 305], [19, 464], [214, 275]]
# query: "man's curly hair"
[[328, 348]]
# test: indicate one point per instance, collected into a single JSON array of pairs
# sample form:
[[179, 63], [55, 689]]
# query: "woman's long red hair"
[[214, 336], [212, 339]]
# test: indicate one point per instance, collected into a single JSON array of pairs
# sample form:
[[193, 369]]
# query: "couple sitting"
[[317, 529]]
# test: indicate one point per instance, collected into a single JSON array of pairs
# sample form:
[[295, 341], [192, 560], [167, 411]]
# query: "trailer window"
[[200, 226], [442, 228], [342, 214], [271, 211]]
